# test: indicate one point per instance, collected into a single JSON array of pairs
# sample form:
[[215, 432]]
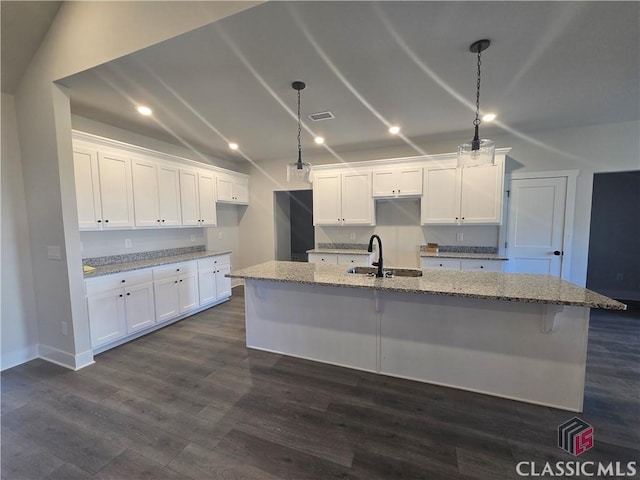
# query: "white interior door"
[[536, 225]]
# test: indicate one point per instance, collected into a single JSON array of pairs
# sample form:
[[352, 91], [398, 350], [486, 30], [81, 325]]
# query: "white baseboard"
[[18, 357], [65, 359]]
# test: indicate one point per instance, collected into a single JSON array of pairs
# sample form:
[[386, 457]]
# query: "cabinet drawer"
[[441, 263], [210, 262], [174, 269], [117, 280], [354, 259], [323, 258], [482, 265]]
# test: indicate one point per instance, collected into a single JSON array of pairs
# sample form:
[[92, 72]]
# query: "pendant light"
[[299, 170], [477, 152]]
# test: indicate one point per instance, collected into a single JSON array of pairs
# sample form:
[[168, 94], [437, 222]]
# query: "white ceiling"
[[550, 65], [24, 24]]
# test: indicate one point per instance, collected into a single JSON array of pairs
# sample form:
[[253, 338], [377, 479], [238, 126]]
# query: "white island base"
[[532, 352]]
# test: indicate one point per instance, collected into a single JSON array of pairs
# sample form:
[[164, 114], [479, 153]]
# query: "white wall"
[[226, 235], [595, 148], [81, 37], [19, 322]]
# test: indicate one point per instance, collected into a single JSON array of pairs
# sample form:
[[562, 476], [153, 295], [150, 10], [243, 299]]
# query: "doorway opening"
[[294, 231], [613, 266]]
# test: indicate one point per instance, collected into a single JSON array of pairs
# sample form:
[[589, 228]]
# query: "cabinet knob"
[[158, 220], [120, 295], [162, 220], [122, 281], [99, 221], [481, 266], [440, 264], [128, 293], [456, 218], [106, 221], [462, 218], [180, 280], [177, 269]]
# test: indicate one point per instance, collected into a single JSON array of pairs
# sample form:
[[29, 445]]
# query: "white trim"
[[135, 149], [65, 359], [569, 212], [13, 359], [385, 162]]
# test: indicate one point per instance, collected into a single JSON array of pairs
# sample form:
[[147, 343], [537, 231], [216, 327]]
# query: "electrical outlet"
[[219, 235], [63, 326], [53, 252], [193, 238], [460, 237], [352, 236], [127, 243]]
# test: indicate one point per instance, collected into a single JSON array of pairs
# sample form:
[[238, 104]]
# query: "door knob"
[[556, 252]]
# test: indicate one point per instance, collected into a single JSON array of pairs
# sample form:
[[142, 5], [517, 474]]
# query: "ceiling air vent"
[[316, 117]]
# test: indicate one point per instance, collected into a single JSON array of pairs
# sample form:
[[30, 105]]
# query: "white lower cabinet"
[[176, 289], [341, 259], [466, 264], [213, 285], [125, 303], [119, 305]]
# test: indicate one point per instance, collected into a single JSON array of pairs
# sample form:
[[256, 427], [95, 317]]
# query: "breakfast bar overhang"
[[516, 336]]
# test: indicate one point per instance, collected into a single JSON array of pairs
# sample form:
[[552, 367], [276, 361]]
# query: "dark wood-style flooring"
[[191, 402]]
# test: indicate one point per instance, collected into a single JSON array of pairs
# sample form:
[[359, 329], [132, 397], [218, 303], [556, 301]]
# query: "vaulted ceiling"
[[372, 64]]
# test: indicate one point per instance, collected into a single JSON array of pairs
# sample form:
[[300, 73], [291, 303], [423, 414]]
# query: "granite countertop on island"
[[513, 287], [109, 269]]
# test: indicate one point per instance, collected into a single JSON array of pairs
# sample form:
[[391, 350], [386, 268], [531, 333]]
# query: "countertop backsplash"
[[134, 257], [462, 249]]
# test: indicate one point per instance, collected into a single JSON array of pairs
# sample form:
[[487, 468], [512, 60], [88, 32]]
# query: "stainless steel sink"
[[388, 272]]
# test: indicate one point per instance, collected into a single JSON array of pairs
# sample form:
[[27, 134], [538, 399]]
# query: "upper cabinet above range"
[[122, 186], [398, 181]]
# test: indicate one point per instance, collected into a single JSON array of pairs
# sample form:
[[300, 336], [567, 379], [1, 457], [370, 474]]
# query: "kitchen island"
[[516, 336]]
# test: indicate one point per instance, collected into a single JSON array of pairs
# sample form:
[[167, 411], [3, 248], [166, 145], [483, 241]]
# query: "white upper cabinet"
[[232, 189], [463, 196], [198, 197], [156, 194], [481, 198], [402, 181], [120, 186], [169, 195], [85, 165], [207, 198], [441, 197], [116, 193], [103, 190], [342, 198], [145, 193]]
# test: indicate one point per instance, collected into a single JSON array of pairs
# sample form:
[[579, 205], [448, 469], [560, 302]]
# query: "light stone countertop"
[[515, 287], [340, 251], [464, 255], [152, 262]]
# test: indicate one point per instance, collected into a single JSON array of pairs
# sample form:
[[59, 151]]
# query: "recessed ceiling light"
[[319, 140], [233, 146], [489, 117], [394, 130], [146, 111]]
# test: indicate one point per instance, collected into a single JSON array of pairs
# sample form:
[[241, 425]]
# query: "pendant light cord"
[[299, 132], [477, 120]]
